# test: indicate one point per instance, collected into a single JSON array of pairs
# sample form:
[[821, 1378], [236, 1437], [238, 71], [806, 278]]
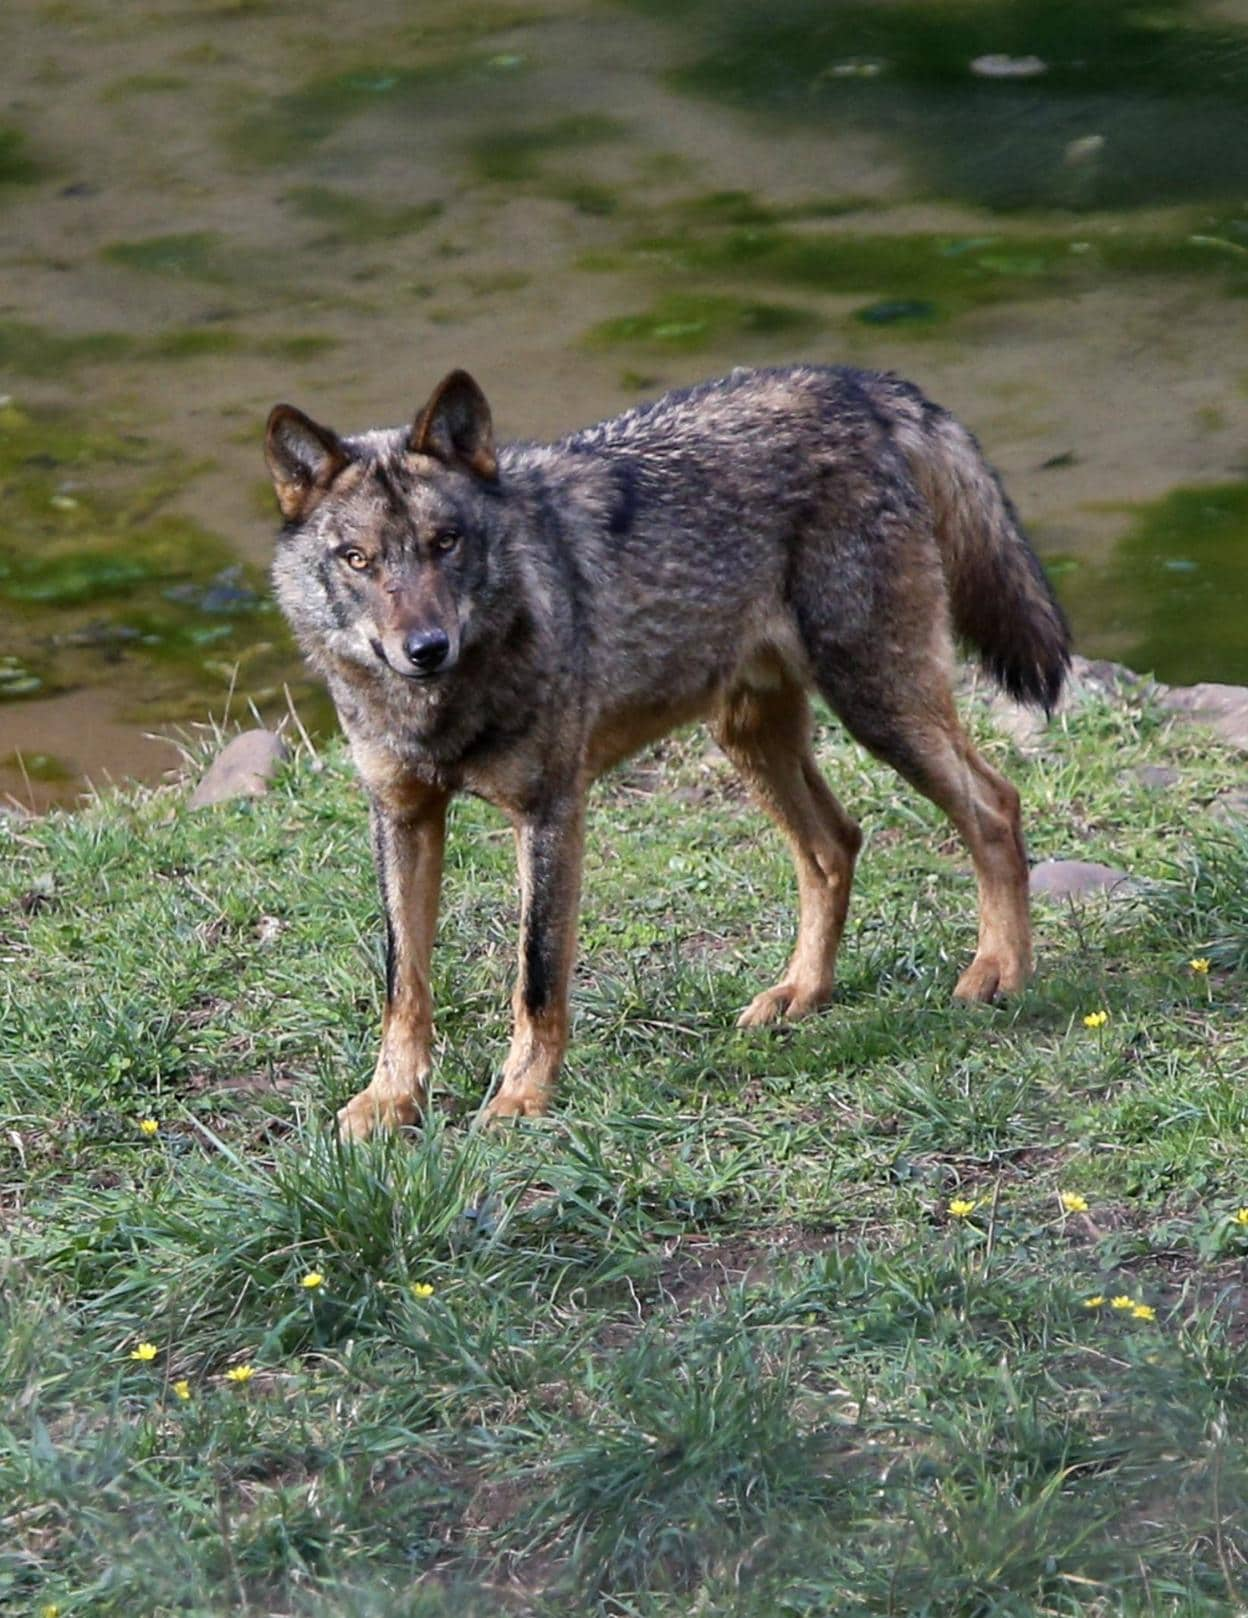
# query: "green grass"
[[709, 1339]]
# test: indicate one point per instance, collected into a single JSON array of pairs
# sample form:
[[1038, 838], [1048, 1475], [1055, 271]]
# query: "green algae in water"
[[898, 312], [1130, 105], [195, 342], [16, 168], [688, 325], [511, 154], [27, 350], [1174, 598], [100, 586], [196, 255], [141, 84], [357, 220], [948, 274], [19, 679], [286, 129], [44, 767]]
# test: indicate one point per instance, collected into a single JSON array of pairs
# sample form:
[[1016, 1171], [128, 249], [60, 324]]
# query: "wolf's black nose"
[[426, 649]]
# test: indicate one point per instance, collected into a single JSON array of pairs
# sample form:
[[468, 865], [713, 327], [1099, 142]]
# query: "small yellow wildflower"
[[1073, 1202], [145, 1352], [1241, 1216], [1122, 1302], [312, 1280], [148, 1126], [1200, 966], [240, 1373], [1143, 1311], [182, 1388], [1095, 1302], [49, 1610], [1096, 1019], [962, 1207], [421, 1289]]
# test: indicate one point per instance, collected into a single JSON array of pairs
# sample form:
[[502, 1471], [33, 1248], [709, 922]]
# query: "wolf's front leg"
[[548, 852], [407, 850]]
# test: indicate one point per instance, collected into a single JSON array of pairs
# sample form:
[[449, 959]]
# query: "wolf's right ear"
[[303, 458], [455, 427]]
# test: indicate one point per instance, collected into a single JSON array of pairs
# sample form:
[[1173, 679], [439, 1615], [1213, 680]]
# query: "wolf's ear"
[[303, 458], [455, 427]]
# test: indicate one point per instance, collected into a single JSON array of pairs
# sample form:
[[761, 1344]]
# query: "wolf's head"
[[384, 557]]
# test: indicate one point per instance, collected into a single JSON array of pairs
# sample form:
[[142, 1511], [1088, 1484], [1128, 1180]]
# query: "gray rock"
[[1230, 806], [1098, 677], [1224, 708], [1060, 879], [244, 768], [1156, 777], [1088, 680]]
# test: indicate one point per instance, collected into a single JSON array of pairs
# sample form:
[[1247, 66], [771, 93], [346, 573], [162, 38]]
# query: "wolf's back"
[[1000, 600]]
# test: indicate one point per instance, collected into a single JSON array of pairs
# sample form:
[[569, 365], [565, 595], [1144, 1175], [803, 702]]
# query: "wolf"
[[513, 620]]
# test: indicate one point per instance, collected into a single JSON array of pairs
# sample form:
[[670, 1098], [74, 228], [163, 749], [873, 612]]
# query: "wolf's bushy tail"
[[1000, 599]]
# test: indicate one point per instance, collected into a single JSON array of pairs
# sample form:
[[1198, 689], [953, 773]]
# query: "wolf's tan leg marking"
[[407, 846], [766, 734], [549, 848], [985, 808], [940, 760]]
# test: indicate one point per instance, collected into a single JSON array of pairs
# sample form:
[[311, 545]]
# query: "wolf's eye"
[[355, 559], [446, 541]]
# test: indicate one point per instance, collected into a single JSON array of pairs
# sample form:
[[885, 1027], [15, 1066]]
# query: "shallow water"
[[1037, 209]]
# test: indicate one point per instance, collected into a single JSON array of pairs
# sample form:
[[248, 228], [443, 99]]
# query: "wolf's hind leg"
[[907, 717], [766, 734]]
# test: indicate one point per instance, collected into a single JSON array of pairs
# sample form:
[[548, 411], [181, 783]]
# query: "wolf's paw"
[[786, 1002], [378, 1110], [516, 1104], [989, 976]]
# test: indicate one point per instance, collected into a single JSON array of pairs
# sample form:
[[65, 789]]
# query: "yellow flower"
[[312, 1280], [49, 1610], [1073, 1202], [146, 1352], [148, 1126], [1122, 1302], [1143, 1311], [961, 1207], [1241, 1216], [182, 1388], [421, 1289], [1094, 1303], [1096, 1019], [1200, 965], [240, 1373]]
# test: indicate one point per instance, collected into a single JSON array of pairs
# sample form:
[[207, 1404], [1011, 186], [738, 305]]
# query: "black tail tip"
[[1037, 679]]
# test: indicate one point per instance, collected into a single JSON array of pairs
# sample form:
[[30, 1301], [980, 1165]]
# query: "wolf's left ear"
[[455, 427], [303, 457]]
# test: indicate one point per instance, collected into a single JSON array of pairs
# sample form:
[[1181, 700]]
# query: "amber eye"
[[355, 559], [446, 541]]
